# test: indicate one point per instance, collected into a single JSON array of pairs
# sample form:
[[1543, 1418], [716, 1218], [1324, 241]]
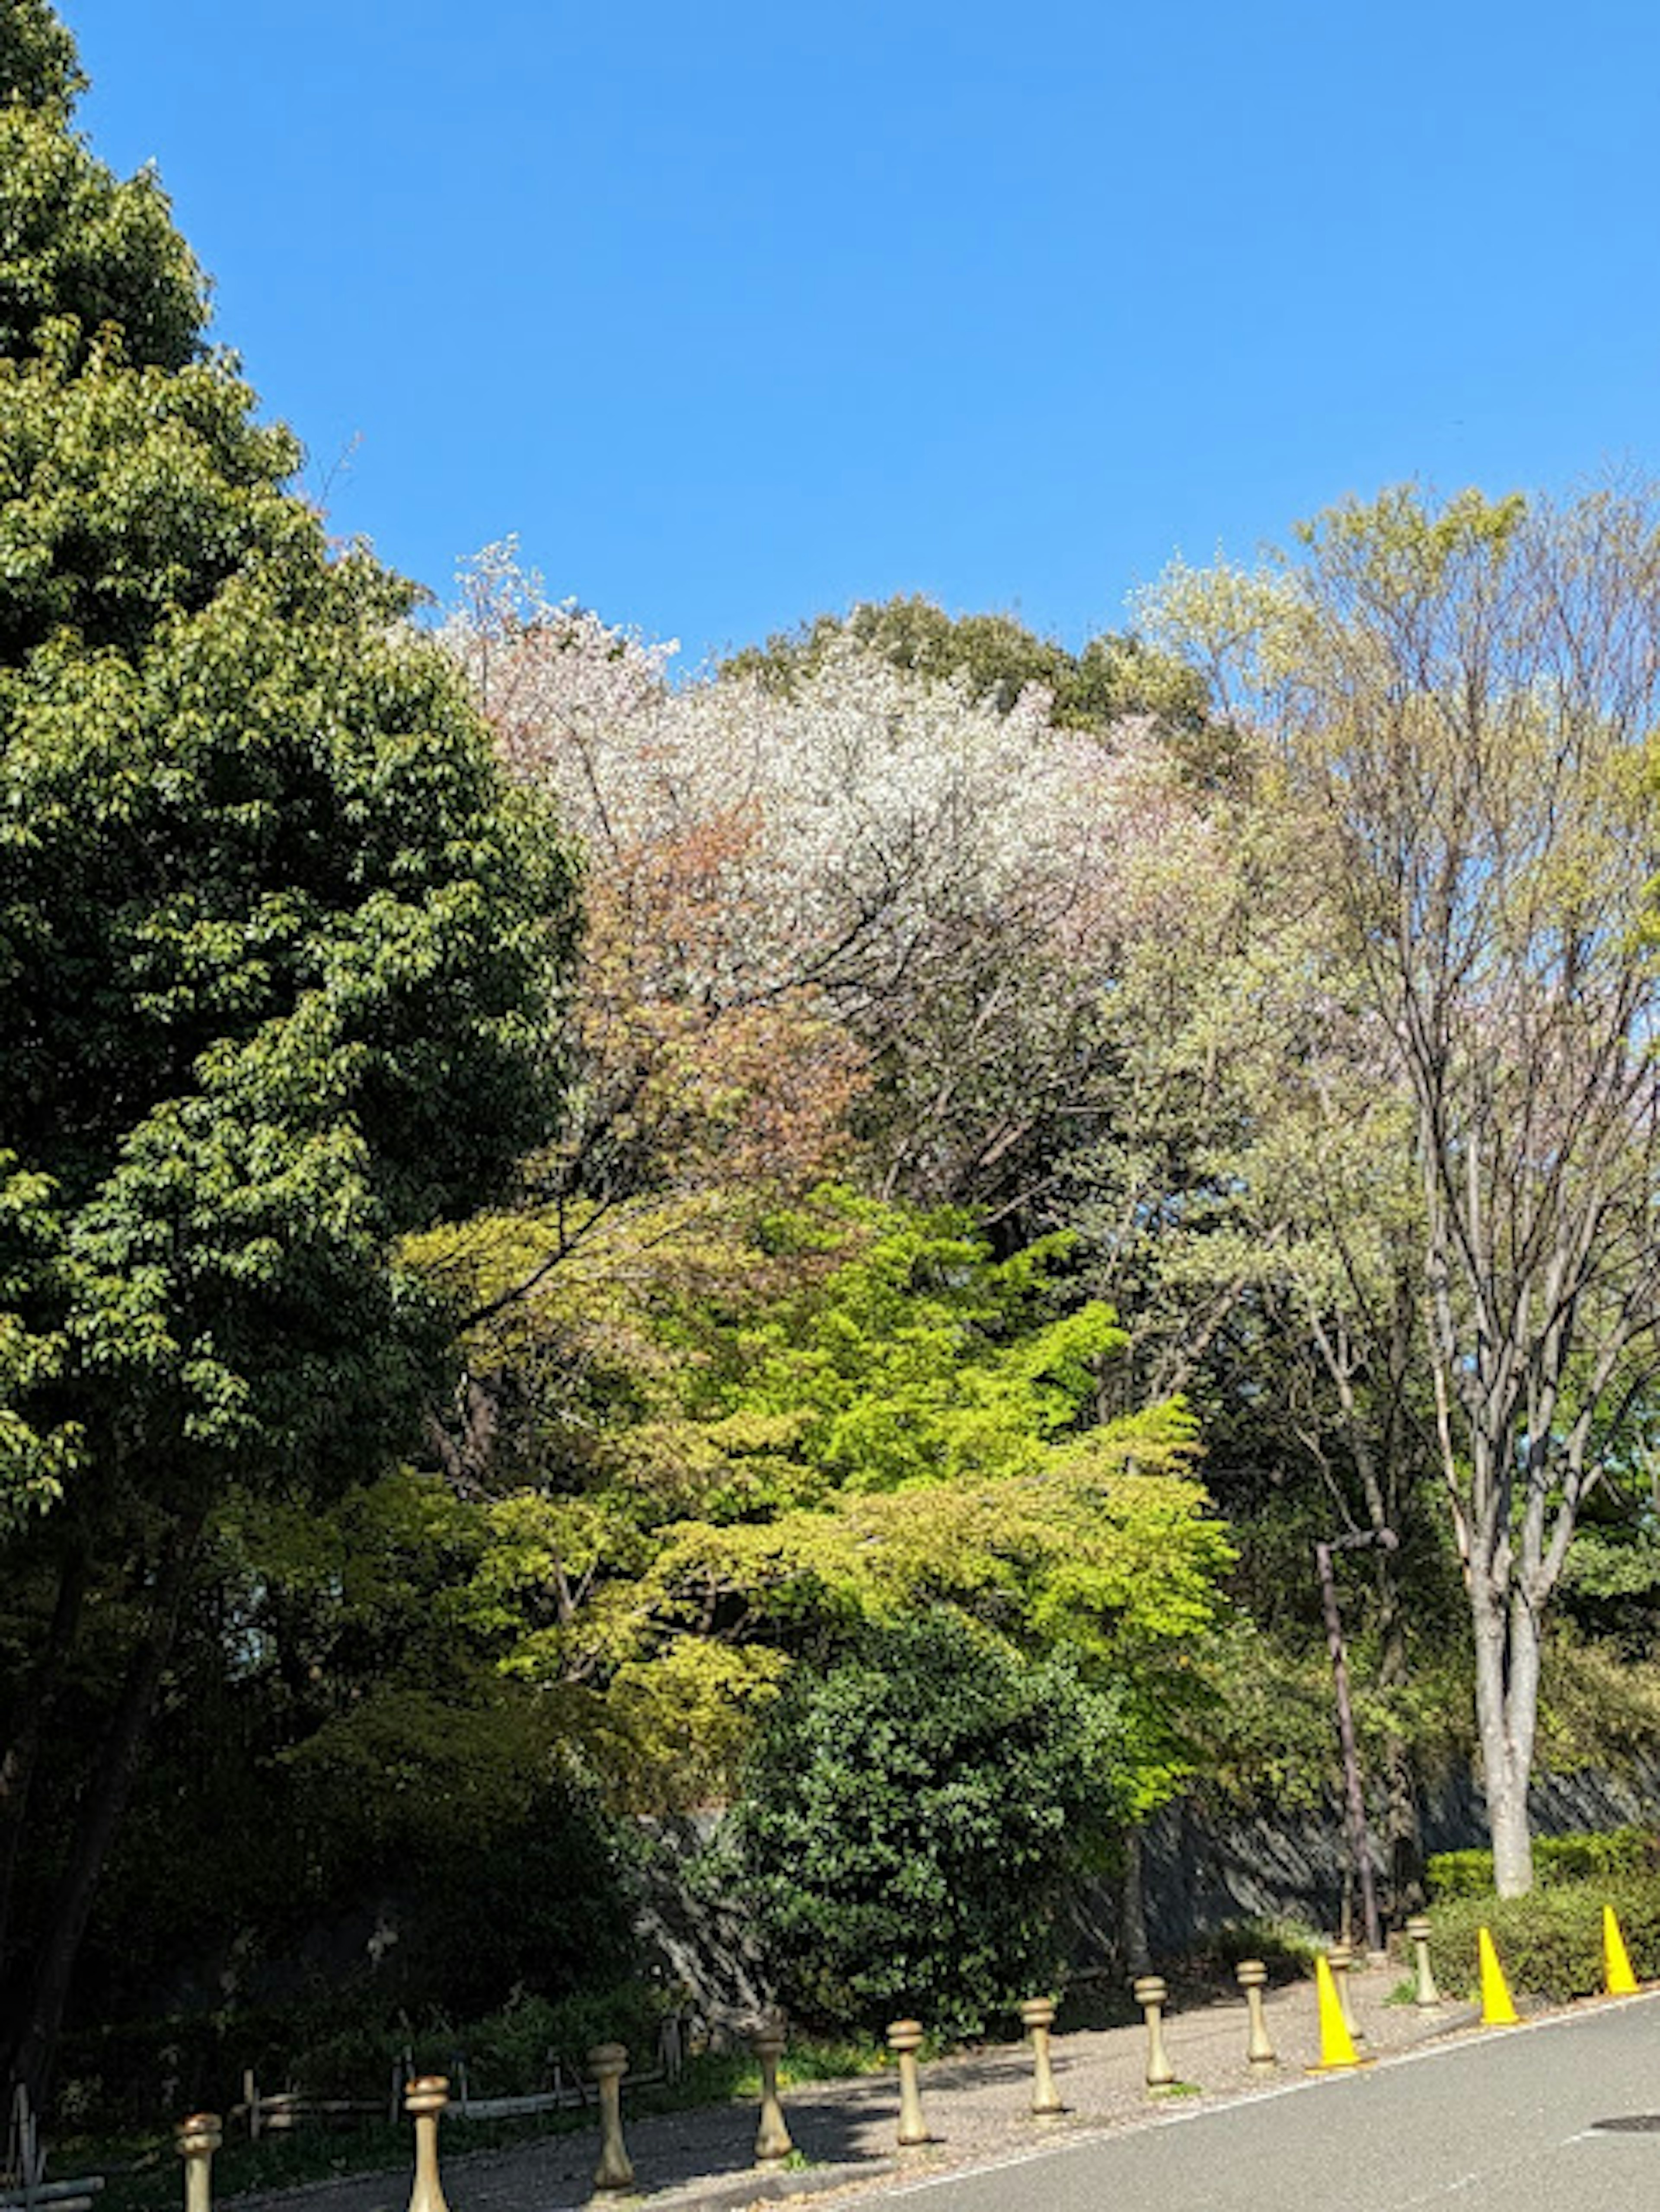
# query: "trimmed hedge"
[[1556, 1860], [1549, 1944]]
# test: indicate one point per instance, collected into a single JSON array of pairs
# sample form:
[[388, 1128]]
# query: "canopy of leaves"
[[912, 1821], [747, 1444], [1113, 679], [275, 950]]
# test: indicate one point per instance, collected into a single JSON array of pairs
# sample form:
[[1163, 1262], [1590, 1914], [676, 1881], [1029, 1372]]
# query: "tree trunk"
[[1512, 1838], [1506, 1710], [101, 1807], [36, 1699], [1403, 1833]]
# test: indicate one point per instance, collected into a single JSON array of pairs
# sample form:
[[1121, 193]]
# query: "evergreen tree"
[[275, 948], [1113, 679]]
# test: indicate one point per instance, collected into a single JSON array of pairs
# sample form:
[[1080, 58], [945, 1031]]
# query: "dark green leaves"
[[912, 1822]]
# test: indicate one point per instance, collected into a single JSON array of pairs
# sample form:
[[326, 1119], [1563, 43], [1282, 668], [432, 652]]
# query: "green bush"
[[1550, 1942], [1556, 1860], [913, 1820], [1458, 1873], [509, 2052], [1287, 1949]]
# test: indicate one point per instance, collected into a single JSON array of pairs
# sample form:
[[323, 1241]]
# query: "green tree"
[[1111, 678], [741, 1448], [913, 1820], [275, 950]]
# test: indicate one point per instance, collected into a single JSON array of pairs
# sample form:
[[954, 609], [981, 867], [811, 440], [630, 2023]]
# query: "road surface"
[[1552, 2118]]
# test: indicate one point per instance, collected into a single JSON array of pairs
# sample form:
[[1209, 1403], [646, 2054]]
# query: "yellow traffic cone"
[[1497, 2010], [1619, 1977], [1336, 2044]]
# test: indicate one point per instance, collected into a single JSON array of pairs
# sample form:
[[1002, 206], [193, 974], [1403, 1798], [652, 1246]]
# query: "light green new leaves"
[[845, 1413], [920, 1359]]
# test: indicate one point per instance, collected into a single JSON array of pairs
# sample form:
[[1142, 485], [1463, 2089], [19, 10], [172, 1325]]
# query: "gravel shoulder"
[[976, 2107]]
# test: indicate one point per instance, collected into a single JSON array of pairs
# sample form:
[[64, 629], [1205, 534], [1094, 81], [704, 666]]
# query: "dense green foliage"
[[265, 923], [81, 250], [913, 1819], [1111, 678], [1549, 1942], [776, 1423], [1558, 1861], [472, 1371], [276, 951], [267, 928], [1092, 689]]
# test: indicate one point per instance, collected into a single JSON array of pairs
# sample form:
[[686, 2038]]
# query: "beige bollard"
[[1252, 1977], [197, 2139], [608, 2063], [424, 2100], [1153, 1997], [1417, 1935], [772, 2138], [1342, 1957], [1037, 2018], [905, 2037]]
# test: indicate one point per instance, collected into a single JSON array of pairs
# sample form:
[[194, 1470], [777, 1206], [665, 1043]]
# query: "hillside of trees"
[[583, 1245]]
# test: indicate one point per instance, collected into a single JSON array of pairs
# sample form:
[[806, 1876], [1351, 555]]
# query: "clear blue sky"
[[735, 310]]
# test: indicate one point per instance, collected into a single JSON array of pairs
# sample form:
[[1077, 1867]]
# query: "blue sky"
[[739, 310]]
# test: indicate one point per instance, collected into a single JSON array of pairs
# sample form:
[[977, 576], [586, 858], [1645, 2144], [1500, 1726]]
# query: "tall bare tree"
[[1463, 694]]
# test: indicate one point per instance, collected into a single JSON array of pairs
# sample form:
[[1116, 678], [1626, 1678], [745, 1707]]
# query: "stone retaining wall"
[[1201, 1872]]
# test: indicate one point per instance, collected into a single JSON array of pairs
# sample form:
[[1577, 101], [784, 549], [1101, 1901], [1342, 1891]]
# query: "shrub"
[[1550, 1942], [912, 1822], [1556, 1860], [509, 2052], [1287, 1949]]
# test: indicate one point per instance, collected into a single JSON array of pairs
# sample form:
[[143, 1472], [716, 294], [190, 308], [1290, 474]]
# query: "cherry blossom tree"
[[904, 897]]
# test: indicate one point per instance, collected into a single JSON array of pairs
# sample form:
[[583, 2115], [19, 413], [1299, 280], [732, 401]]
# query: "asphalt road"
[[1552, 2118]]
